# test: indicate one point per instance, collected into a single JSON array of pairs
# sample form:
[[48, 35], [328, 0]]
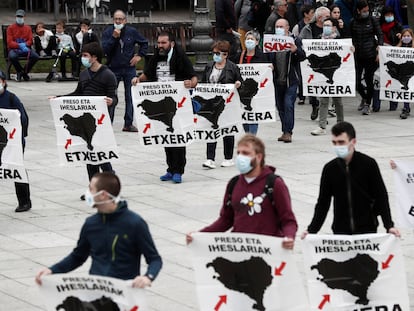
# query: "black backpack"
[[267, 191]]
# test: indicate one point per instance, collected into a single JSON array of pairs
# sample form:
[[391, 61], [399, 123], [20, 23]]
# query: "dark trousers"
[[368, 66], [22, 193], [32, 57], [52, 45], [93, 169], [72, 55], [228, 145], [176, 160]]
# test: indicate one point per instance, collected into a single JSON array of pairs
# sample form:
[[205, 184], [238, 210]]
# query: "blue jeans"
[[14, 59], [251, 128], [285, 104], [126, 74]]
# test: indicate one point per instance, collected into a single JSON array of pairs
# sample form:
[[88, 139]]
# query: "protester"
[[170, 63], [247, 207], [286, 80], [19, 42], [253, 54], [366, 37], [329, 32], [279, 11], [221, 70], [342, 28], [44, 41], [66, 49], [226, 25], [242, 9], [9, 100], [120, 42], [84, 36], [100, 238], [354, 181]]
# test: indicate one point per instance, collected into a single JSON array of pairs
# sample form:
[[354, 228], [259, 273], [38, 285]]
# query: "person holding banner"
[[221, 70], [115, 238], [354, 181], [9, 100], [170, 63], [247, 206], [286, 80]]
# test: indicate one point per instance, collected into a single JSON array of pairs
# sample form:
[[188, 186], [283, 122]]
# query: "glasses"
[[119, 19]]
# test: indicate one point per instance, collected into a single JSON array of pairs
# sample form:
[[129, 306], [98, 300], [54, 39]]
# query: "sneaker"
[[332, 113], [42, 53], [168, 176], [315, 112], [130, 128], [209, 164], [23, 208], [177, 178], [227, 163], [26, 77], [318, 131], [49, 77], [54, 54], [366, 110], [19, 76], [301, 102], [361, 104], [288, 138], [405, 113]]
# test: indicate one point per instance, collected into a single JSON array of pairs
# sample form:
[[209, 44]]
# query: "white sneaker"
[[209, 164], [318, 131], [227, 163]]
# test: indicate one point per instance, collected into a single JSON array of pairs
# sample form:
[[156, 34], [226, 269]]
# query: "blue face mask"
[[389, 19], [20, 20], [85, 62], [327, 30], [279, 31], [217, 58], [341, 151], [244, 163], [250, 44]]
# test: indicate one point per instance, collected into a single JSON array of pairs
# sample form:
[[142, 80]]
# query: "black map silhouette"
[[247, 90], [326, 65], [210, 109], [251, 277], [72, 303], [354, 275], [401, 72], [163, 110], [3, 141], [83, 126]]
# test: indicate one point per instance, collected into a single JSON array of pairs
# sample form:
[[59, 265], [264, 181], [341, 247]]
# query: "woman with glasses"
[[221, 70]]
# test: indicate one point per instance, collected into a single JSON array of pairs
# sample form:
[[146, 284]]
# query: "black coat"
[[366, 36]]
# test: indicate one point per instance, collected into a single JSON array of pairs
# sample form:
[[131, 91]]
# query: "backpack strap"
[[230, 189]]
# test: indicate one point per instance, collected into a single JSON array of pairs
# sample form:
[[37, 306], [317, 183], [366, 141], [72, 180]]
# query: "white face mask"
[[119, 26], [90, 198], [20, 20], [279, 31], [341, 151], [250, 44], [244, 163]]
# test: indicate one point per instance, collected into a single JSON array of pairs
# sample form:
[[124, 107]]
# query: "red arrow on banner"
[[347, 57], [386, 264], [146, 128], [11, 135], [223, 299], [181, 103], [388, 83], [310, 78], [262, 84], [278, 270], [195, 120], [229, 98], [134, 308], [100, 120], [68, 142], [326, 298]]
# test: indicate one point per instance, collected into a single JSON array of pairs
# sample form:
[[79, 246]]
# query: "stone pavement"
[[31, 240]]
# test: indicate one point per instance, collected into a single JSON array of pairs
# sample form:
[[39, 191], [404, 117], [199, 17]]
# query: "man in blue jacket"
[[125, 232], [119, 42]]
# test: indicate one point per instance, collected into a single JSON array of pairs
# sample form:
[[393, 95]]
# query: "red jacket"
[[257, 217], [15, 32]]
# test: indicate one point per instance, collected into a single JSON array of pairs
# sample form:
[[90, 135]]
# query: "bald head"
[[284, 24]]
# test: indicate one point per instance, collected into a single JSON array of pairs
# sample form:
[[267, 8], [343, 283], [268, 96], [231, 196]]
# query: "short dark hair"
[[306, 8], [85, 21], [61, 22], [258, 145], [343, 127], [334, 21], [168, 34], [361, 4], [94, 49], [109, 182]]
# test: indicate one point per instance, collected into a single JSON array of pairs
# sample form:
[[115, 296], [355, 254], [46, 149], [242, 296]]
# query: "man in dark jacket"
[[119, 42], [112, 221], [170, 63], [226, 24], [354, 180]]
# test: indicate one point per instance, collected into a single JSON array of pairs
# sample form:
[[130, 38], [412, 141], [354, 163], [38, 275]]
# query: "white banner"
[[164, 114], [355, 272], [90, 292], [11, 149], [217, 111], [237, 272], [396, 71], [329, 68], [275, 43], [83, 129], [257, 93], [404, 193]]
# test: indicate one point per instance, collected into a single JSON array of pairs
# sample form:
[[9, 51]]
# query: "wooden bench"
[[182, 31]]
